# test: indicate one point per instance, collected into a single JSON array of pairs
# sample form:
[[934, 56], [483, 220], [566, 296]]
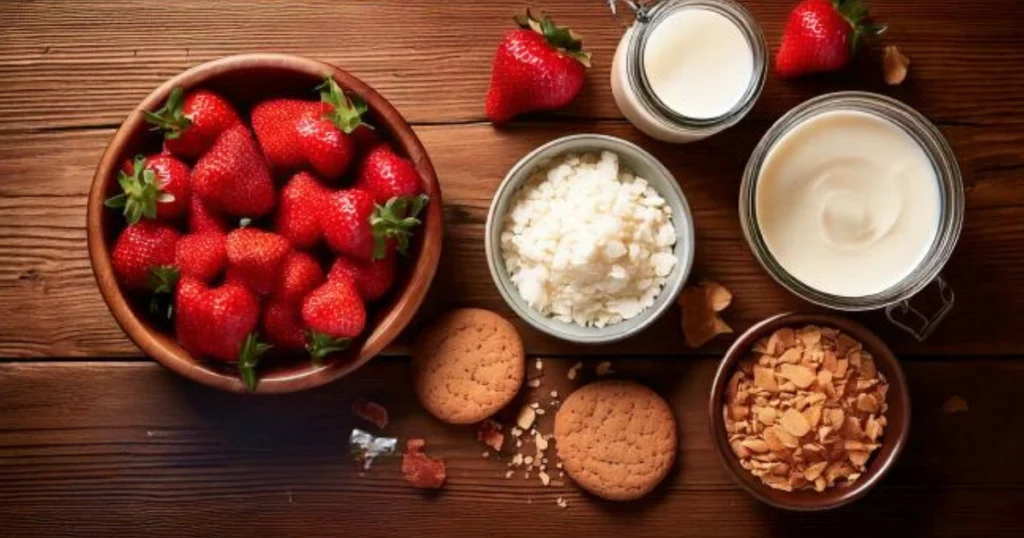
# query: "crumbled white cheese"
[[586, 242]]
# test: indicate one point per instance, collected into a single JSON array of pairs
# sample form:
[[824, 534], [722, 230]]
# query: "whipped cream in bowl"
[[589, 238]]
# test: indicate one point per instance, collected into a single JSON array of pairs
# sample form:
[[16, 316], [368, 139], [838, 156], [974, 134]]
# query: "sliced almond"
[[794, 423], [791, 355], [895, 66], [867, 367], [867, 403], [526, 417], [741, 451], [801, 376], [718, 296], [872, 428], [858, 458], [765, 378], [813, 415], [812, 472], [758, 446], [955, 404], [841, 367], [766, 415]]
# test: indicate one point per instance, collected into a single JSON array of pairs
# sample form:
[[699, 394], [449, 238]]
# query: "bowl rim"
[[163, 348], [548, 325], [716, 423]]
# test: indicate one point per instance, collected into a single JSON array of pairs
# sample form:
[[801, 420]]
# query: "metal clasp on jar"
[[639, 9], [913, 321]]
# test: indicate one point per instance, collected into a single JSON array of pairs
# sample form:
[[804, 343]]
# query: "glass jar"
[[895, 299], [632, 89]]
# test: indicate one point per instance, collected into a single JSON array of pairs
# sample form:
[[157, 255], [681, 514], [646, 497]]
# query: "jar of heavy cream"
[[687, 69], [854, 201]]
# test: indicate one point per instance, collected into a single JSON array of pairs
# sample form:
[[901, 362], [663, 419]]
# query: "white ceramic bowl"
[[644, 165]]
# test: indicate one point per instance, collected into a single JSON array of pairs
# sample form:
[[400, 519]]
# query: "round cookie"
[[467, 365], [616, 439]]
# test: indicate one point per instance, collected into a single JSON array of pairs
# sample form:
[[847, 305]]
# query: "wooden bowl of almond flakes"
[[809, 411]]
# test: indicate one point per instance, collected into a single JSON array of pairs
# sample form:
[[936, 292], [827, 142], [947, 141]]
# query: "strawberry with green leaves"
[[232, 178], [334, 314], [354, 225], [822, 36], [296, 134], [192, 123], [541, 66], [255, 258], [298, 212], [156, 187], [214, 322], [386, 175], [373, 279], [139, 250]]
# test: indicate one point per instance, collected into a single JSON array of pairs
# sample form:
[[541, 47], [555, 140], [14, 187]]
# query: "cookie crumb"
[[954, 405], [528, 460], [538, 365], [544, 478], [526, 417], [533, 383], [541, 411], [571, 374], [561, 503], [604, 368], [509, 473], [554, 394], [485, 454], [541, 442]]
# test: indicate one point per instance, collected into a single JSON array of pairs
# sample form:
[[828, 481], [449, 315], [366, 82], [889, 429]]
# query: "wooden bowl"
[[244, 80], [893, 438]]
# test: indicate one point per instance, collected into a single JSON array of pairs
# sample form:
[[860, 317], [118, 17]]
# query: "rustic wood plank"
[[147, 450], [432, 58], [52, 307]]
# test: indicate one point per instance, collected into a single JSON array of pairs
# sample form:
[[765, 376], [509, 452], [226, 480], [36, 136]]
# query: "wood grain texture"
[[52, 308], [146, 450]]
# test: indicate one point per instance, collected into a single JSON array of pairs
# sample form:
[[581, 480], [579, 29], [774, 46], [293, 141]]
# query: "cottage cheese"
[[587, 242]]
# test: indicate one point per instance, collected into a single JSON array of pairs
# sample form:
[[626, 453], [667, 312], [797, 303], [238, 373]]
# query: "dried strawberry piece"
[[421, 470], [489, 432], [372, 412]]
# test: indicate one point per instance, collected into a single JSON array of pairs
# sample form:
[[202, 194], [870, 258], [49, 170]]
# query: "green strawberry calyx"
[[249, 355], [346, 109], [856, 13], [564, 39], [163, 280], [396, 220], [171, 117], [141, 192], [321, 345]]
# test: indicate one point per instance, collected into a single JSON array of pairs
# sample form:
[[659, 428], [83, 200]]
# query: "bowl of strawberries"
[[264, 223]]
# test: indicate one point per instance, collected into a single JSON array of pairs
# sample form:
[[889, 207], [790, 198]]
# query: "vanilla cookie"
[[616, 439], [468, 365]]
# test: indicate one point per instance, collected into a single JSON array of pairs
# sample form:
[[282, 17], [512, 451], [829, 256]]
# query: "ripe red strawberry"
[[255, 258], [298, 213], [385, 175], [191, 125], [822, 35], [202, 255], [539, 67], [373, 278], [214, 322], [202, 219], [365, 138], [335, 314], [282, 324], [355, 226], [232, 178], [156, 187], [141, 248], [297, 134], [300, 274]]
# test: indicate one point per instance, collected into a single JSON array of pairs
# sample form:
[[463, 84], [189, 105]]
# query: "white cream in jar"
[[848, 203], [687, 69]]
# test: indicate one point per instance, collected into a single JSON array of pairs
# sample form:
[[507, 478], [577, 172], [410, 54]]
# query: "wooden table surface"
[[97, 439]]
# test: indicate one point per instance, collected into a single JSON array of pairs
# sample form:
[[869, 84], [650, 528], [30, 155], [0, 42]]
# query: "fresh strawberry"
[[297, 134], [156, 187], [282, 325], [334, 313], [214, 322], [232, 178], [141, 248], [192, 124], [202, 219], [365, 138], [373, 278], [298, 213], [355, 226], [385, 175], [822, 35], [255, 258], [542, 66], [300, 274], [202, 255]]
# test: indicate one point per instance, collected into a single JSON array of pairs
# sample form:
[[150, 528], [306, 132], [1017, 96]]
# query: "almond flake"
[[603, 368], [794, 423], [955, 404], [801, 376], [895, 66]]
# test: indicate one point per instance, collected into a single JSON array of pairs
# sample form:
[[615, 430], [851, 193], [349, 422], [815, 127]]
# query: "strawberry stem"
[[395, 220], [562, 38], [249, 355], [857, 14], [163, 279], [171, 117], [346, 110], [321, 345], [141, 192]]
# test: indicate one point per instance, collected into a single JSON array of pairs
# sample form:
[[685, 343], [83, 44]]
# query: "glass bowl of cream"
[[687, 69], [854, 201]]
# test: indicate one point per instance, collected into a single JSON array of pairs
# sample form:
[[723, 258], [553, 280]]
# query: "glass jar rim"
[[934, 145], [648, 17]]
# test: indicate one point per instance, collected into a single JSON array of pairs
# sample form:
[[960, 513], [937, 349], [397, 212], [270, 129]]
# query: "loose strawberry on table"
[[334, 313], [385, 175], [296, 134], [298, 212], [202, 255], [156, 187], [192, 123], [823, 35], [372, 278], [255, 258], [141, 248], [232, 178], [542, 66], [354, 225], [214, 322]]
